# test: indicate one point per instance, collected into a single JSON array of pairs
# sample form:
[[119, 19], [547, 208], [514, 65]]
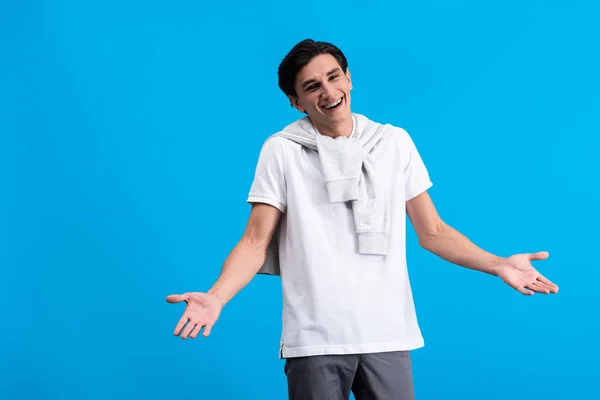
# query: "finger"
[[188, 328], [538, 287], [549, 288], [207, 329], [175, 298], [196, 330], [553, 287], [180, 324], [540, 255], [524, 291]]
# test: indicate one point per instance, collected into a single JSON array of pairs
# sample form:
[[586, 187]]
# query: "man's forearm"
[[239, 268], [454, 247]]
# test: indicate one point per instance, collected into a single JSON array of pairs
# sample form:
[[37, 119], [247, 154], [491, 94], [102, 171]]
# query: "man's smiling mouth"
[[333, 105]]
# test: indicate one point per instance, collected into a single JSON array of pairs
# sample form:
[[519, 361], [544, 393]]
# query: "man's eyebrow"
[[308, 82]]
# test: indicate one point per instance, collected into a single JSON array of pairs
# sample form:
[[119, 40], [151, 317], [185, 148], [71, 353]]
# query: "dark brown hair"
[[299, 57]]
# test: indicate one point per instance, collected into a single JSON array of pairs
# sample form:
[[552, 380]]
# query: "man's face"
[[323, 91]]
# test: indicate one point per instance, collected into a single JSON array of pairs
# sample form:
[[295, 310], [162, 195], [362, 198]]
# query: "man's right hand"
[[201, 310]]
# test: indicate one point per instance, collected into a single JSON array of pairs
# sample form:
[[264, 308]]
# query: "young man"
[[329, 200]]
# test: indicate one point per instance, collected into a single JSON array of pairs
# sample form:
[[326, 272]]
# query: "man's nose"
[[328, 91]]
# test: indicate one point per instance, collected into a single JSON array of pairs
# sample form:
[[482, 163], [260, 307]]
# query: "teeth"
[[335, 103]]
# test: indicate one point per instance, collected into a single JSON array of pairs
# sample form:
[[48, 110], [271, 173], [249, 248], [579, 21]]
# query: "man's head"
[[316, 79]]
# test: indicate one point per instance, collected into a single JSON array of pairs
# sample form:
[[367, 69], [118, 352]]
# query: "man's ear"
[[349, 77], [295, 102]]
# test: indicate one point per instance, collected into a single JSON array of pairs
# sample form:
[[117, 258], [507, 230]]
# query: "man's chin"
[[330, 120], [338, 117]]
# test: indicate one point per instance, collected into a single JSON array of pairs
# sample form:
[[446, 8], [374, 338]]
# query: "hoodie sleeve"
[[269, 178], [416, 177]]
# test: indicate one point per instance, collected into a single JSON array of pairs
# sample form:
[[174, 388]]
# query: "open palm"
[[201, 310], [519, 274]]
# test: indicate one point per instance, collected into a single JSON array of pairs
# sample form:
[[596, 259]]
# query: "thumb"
[[175, 298], [540, 255]]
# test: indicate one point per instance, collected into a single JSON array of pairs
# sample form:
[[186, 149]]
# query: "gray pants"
[[374, 376]]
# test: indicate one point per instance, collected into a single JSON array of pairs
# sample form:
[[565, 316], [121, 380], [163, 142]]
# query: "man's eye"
[[334, 77], [311, 88]]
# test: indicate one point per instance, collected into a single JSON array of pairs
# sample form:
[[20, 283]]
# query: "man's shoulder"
[[392, 127], [277, 145], [279, 140]]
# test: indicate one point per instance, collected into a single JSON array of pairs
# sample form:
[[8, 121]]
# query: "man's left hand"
[[519, 274]]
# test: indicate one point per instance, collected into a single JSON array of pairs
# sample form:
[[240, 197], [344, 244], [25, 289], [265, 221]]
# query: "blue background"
[[129, 133]]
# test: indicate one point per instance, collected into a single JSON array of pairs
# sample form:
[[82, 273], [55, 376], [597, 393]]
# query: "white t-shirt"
[[335, 300]]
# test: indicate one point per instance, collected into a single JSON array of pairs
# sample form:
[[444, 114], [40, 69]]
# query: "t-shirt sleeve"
[[269, 184], [416, 177]]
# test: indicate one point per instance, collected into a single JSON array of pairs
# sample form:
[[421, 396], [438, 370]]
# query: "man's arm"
[[439, 238], [246, 258], [244, 261], [446, 242]]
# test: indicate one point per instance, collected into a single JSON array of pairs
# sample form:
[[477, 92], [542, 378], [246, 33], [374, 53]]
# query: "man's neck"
[[343, 128]]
